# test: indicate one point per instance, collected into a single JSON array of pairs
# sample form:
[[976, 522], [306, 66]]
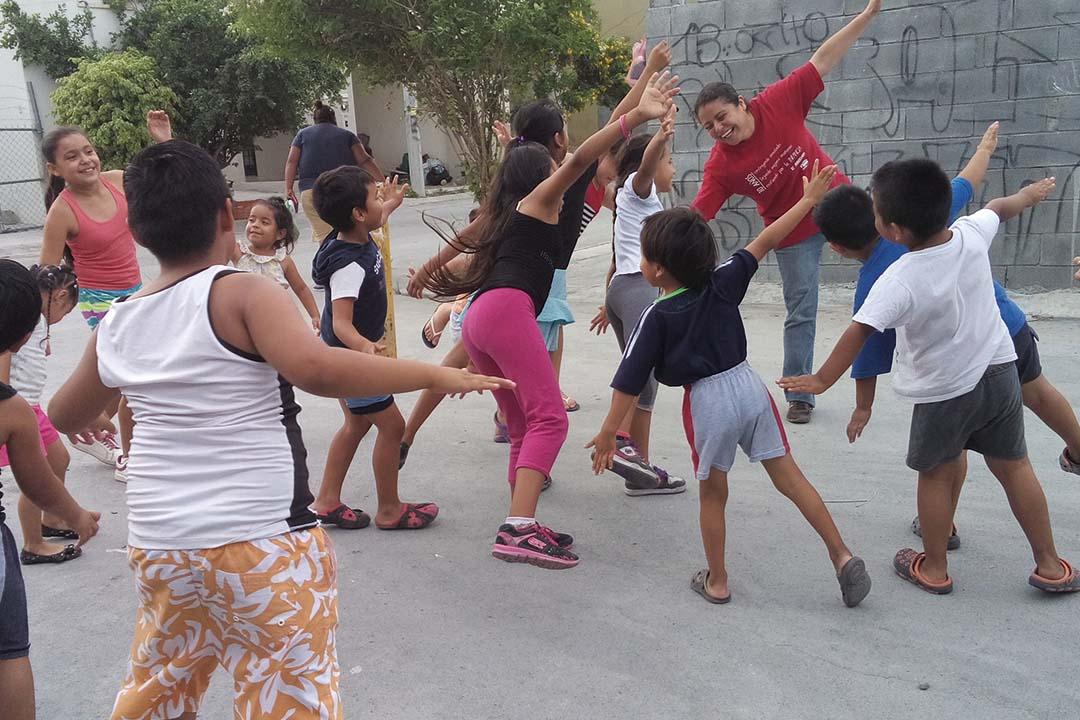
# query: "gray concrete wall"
[[925, 80]]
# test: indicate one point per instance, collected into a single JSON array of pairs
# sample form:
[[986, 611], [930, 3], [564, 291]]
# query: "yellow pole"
[[390, 336]]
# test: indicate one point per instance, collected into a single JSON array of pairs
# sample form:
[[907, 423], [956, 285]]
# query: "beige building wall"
[[617, 17]]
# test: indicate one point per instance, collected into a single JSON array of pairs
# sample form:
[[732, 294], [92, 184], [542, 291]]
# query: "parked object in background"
[[435, 172]]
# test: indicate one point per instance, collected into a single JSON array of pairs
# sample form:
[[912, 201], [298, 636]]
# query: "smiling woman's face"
[[725, 122]]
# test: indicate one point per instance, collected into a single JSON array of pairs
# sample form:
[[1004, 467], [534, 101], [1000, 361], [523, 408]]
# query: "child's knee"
[[714, 489]]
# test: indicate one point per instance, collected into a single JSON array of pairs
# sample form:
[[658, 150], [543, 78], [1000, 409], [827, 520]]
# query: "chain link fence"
[[22, 180]]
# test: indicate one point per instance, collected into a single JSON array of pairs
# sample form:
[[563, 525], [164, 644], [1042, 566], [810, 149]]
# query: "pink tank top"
[[104, 251]]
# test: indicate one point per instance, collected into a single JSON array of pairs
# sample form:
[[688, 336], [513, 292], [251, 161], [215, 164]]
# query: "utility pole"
[[412, 142]]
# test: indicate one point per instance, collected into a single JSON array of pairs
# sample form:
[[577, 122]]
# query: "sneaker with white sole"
[[1068, 464], [104, 451], [533, 544], [665, 484], [628, 464], [120, 473]]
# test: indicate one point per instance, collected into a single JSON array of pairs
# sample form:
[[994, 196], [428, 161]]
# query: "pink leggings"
[[502, 339]]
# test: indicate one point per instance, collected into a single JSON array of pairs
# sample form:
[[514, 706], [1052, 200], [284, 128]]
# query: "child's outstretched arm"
[[814, 188], [604, 442], [307, 298], [975, 170], [393, 195], [33, 474], [865, 388], [659, 58], [543, 202], [1028, 196], [846, 350], [830, 53], [654, 153]]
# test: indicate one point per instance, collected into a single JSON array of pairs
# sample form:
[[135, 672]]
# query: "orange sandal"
[[907, 563], [1068, 583]]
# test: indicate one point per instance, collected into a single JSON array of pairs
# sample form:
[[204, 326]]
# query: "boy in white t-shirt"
[[954, 361]]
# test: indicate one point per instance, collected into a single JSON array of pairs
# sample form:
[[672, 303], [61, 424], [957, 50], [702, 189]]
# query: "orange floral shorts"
[[265, 610]]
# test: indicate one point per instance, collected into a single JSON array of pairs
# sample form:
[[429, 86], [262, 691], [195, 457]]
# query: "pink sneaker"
[[120, 473], [534, 545]]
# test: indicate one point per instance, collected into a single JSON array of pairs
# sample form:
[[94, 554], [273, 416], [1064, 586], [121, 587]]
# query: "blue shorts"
[[14, 628], [369, 405]]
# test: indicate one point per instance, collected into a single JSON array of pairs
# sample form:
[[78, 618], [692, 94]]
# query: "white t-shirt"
[[630, 213], [941, 302], [28, 365]]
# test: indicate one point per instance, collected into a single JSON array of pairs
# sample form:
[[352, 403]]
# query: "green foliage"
[[55, 42], [109, 98], [464, 59]]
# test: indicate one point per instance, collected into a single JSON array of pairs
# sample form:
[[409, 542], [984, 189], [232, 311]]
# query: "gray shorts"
[[627, 298], [989, 420], [728, 410]]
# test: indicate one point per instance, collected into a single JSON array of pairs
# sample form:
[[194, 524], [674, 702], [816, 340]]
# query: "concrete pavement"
[[433, 626]]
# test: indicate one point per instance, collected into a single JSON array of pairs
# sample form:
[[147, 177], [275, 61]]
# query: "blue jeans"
[[800, 272]]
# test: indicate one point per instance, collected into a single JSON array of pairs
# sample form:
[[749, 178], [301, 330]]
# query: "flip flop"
[[1069, 583], [51, 532], [433, 343], [699, 584], [907, 563], [854, 581], [416, 516], [570, 403], [68, 553], [346, 518]]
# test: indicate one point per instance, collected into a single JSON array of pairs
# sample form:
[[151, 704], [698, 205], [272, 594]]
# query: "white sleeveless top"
[[265, 265], [217, 456], [28, 365]]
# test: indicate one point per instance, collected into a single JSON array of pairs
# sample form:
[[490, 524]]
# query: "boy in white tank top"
[[231, 565]]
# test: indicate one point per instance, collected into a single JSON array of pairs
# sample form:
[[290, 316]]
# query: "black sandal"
[[51, 532], [346, 518], [68, 553]]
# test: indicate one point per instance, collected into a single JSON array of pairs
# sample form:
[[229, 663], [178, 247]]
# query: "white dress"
[[267, 265]]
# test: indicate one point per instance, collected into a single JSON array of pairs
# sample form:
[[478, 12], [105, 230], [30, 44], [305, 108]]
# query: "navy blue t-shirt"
[[351, 270], [323, 146], [688, 335], [876, 356]]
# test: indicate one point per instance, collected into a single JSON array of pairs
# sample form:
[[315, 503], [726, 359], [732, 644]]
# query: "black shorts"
[[1028, 366], [988, 419], [14, 629]]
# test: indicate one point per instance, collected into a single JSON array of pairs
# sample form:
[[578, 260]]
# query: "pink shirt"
[[770, 165], [104, 251]]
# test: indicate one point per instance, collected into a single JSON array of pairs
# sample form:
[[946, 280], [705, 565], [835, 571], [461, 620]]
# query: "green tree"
[[55, 42], [466, 60], [109, 97]]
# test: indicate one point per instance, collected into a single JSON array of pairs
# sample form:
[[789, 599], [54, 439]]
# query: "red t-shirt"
[[770, 165]]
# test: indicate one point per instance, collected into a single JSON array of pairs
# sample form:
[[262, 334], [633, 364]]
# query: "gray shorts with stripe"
[[729, 410]]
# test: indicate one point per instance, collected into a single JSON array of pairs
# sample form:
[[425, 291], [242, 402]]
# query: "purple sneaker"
[[664, 484], [628, 464], [534, 544], [502, 433]]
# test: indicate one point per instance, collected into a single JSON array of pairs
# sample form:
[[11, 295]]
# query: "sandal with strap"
[[700, 584], [415, 516], [1067, 583], [570, 403], [346, 518], [907, 564], [433, 342], [70, 552], [51, 532]]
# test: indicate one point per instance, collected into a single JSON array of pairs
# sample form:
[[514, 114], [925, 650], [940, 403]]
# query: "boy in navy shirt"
[[348, 267], [693, 336], [846, 217]]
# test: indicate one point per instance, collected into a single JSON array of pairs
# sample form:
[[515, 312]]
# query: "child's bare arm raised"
[[814, 188], [846, 350], [1028, 196], [975, 170], [654, 153]]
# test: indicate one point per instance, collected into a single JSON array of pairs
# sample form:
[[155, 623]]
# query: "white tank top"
[[217, 456], [28, 365]]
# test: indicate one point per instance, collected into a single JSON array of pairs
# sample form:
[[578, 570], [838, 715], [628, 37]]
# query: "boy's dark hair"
[[539, 121], [914, 194], [336, 192], [680, 241], [175, 193], [716, 91], [846, 217], [20, 303], [283, 219]]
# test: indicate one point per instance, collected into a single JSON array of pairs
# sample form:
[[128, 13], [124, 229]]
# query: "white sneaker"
[[120, 474], [104, 451]]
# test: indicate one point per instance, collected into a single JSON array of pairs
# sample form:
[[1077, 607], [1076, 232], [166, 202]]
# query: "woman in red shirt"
[[762, 151]]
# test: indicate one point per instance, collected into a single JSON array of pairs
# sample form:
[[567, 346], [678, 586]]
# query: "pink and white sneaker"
[[533, 544], [105, 451], [120, 473]]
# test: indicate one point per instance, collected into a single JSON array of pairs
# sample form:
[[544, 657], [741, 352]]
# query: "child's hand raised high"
[[815, 186], [667, 125], [657, 98], [1036, 192], [989, 140], [159, 126]]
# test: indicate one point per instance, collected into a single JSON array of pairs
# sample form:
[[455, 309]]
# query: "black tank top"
[[526, 259]]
